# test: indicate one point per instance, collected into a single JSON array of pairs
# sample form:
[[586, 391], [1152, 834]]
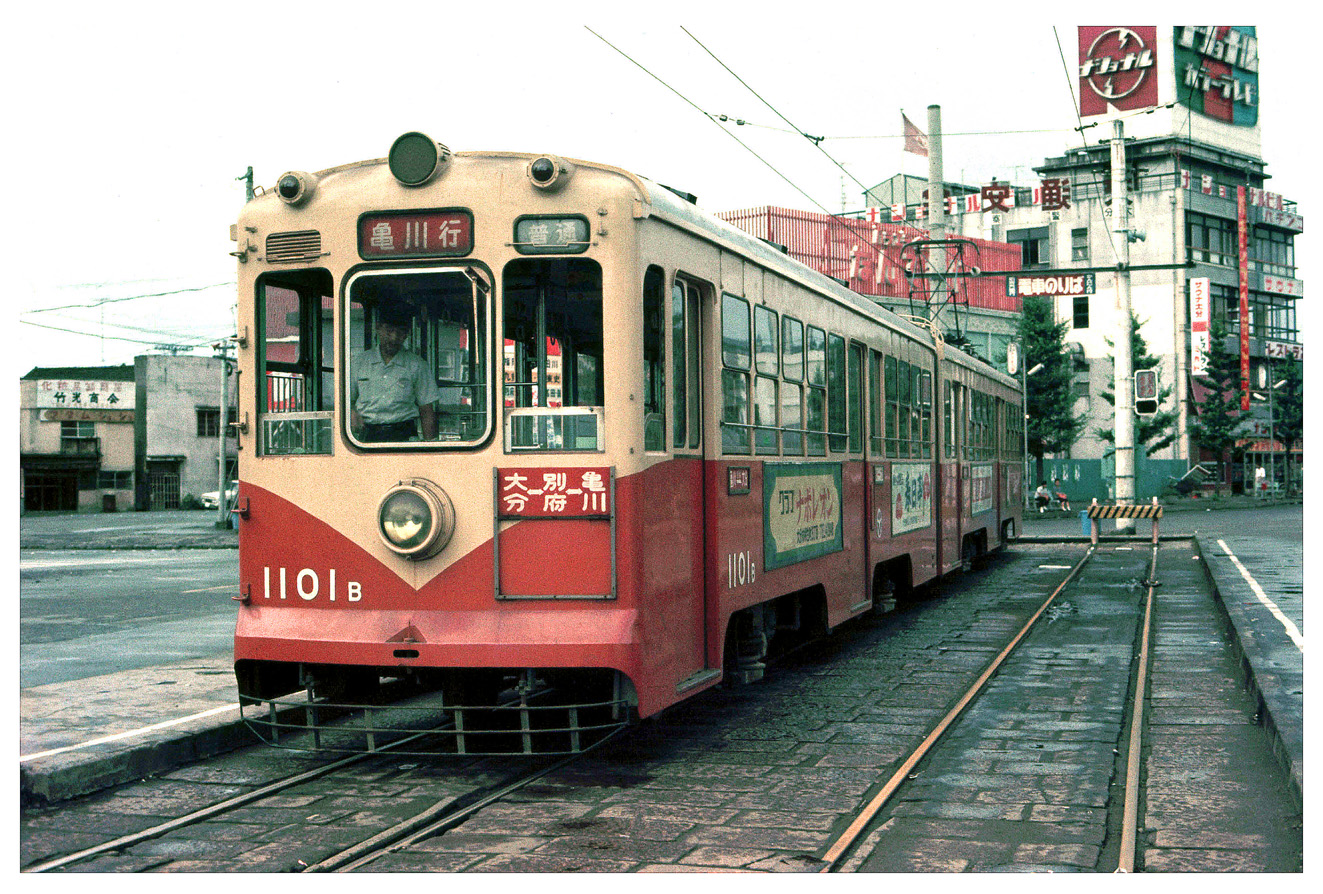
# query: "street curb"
[[71, 774], [1266, 683]]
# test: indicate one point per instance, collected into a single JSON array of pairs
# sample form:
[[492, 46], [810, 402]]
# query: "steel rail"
[[435, 819], [832, 857], [1134, 757]]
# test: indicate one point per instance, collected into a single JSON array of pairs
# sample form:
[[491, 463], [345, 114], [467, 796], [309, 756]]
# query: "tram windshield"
[[417, 357]]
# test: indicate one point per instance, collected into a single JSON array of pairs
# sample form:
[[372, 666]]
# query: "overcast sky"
[[134, 122]]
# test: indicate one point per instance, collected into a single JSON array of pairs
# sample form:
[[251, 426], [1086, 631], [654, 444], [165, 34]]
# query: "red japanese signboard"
[[1117, 68], [553, 493], [415, 234]]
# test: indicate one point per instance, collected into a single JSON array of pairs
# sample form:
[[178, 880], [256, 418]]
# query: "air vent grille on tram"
[[304, 245]]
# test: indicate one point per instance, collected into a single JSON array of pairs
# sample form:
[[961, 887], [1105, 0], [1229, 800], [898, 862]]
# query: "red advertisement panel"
[[1242, 218], [1117, 67]]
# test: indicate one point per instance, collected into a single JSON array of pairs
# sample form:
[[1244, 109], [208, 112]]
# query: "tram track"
[[433, 820], [1083, 807]]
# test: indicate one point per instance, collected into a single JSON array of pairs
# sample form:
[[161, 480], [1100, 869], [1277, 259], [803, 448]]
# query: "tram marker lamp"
[[416, 159], [1146, 392], [296, 187], [550, 173]]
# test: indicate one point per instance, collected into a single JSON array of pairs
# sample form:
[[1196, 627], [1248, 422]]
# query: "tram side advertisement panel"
[[912, 493], [801, 512]]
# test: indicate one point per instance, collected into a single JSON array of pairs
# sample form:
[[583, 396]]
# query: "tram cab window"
[[417, 349], [552, 355], [654, 360], [296, 392]]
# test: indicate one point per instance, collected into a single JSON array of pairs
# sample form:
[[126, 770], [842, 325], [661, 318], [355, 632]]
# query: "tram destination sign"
[[553, 492], [415, 234]]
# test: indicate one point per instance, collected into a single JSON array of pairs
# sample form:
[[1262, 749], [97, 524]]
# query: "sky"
[[137, 119]]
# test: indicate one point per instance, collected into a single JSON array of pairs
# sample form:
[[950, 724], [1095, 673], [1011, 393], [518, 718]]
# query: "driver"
[[393, 391]]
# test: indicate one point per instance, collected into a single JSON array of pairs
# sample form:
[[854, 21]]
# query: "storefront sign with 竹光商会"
[[82, 394]]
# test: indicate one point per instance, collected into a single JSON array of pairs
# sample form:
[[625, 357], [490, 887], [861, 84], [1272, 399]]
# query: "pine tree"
[[1218, 425], [1289, 412], [1151, 432], [1051, 425]]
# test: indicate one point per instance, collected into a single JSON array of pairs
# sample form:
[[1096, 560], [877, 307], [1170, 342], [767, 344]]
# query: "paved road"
[[88, 612]]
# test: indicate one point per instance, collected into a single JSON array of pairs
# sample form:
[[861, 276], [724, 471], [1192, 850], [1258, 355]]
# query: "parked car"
[[211, 500]]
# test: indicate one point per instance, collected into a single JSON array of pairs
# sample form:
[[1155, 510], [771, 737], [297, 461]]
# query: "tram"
[[636, 446]]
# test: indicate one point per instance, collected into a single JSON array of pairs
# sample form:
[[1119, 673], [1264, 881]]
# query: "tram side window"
[[736, 357], [654, 360], [815, 397], [948, 420], [856, 381], [765, 385], [877, 441], [295, 369], [792, 389], [923, 408], [836, 394], [554, 386], [685, 343]]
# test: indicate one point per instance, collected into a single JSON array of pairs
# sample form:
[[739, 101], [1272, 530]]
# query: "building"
[[177, 428], [1186, 99], [76, 438], [114, 438]]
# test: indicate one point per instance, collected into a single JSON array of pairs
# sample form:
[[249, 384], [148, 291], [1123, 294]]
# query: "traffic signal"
[[1146, 391]]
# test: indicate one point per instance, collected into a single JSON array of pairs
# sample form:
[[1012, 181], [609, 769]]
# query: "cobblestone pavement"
[[753, 778]]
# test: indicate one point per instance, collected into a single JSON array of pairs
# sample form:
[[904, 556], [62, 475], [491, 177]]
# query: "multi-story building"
[[76, 438], [115, 438], [1186, 99]]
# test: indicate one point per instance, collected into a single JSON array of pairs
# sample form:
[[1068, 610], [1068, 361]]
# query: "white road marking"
[[1291, 630], [130, 734]]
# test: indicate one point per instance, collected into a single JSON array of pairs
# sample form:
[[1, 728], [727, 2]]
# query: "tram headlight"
[[295, 187], [416, 519], [415, 158]]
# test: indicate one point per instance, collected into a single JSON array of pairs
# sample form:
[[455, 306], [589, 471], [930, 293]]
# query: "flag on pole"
[[916, 141]]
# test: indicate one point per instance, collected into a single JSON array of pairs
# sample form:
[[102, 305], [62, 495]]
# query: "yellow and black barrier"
[[1141, 510]]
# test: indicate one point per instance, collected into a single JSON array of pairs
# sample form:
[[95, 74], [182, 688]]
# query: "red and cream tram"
[[645, 443]]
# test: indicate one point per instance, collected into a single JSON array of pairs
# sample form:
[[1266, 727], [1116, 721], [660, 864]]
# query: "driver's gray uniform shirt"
[[391, 392]]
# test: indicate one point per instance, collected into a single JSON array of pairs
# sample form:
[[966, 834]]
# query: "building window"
[[1081, 312], [1033, 246], [114, 480], [208, 422], [1079, 244], [76, 430]]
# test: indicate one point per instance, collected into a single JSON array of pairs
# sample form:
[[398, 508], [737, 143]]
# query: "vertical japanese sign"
[[801, 512], [553, 493], [911, 497], [1242, 220], [1199, 338]]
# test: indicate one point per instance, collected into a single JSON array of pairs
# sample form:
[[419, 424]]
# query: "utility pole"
[[936, 205], [1123, 381], [223, 477]]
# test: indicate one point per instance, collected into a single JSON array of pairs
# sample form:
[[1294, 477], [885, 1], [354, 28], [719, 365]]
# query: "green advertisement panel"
[[801, 512]]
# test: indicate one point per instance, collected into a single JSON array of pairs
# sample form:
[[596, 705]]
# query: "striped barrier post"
[[1153, 511]]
